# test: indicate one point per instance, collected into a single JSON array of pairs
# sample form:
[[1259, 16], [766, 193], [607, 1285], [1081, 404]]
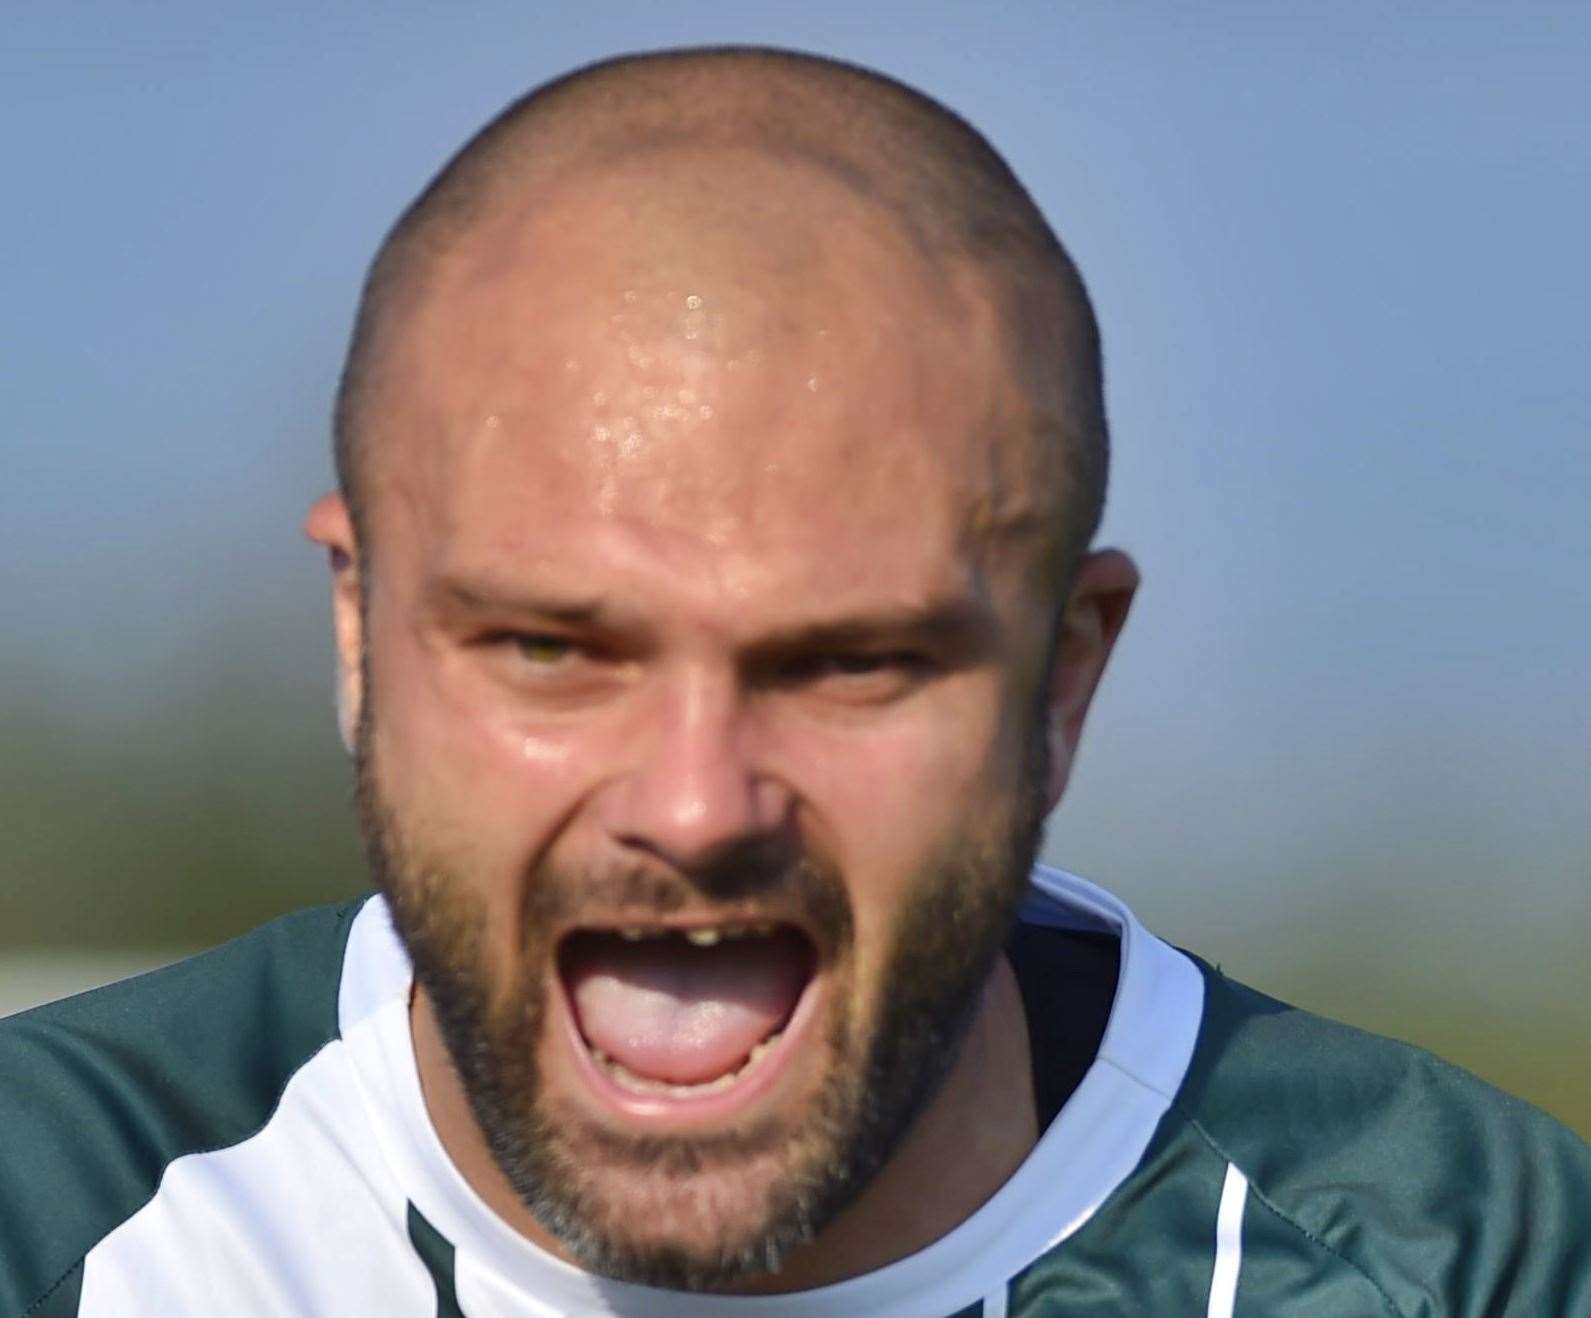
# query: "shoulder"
[[99, 1093], [1449, 1194]]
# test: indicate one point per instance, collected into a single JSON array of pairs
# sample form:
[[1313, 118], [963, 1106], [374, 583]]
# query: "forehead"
[[747, 368]]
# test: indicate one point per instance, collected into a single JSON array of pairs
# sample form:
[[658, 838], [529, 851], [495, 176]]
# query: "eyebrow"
[[448, 595], [963, 626]]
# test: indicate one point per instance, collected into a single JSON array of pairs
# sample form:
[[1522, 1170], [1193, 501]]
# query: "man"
[[720, 450]]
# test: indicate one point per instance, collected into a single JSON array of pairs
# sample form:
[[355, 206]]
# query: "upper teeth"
[[706, 936]]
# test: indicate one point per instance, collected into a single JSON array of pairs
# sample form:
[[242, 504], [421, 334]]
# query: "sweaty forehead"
[[745, 348]]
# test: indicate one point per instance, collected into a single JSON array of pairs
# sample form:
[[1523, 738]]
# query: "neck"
[[966, 1144]]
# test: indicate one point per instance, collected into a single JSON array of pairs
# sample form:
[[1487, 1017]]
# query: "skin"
[[671, 473]]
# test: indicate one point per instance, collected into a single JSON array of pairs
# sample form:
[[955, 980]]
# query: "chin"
[[691, 1220], [691, 1192]]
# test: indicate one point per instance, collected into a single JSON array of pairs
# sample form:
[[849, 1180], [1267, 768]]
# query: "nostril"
[[745, 867], [689, 821]]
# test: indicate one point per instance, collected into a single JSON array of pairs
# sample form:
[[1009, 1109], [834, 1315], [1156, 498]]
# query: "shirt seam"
[[1129, 1074], [59, 1281], [1276, 1210]]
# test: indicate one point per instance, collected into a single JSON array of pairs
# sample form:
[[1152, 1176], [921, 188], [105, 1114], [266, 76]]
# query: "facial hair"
[[881, 1074]]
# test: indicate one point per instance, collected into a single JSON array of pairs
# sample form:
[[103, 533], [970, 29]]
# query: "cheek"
[[894, 803], [475, 790]]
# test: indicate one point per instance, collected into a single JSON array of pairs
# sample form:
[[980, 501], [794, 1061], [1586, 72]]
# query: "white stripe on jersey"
[[1228, 1244]]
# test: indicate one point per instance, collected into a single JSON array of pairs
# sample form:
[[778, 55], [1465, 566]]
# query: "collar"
[[1090, 1148]]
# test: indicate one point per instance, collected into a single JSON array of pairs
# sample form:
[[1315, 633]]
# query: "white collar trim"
[[1090, 1148]]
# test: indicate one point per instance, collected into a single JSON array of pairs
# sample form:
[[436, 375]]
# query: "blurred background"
[[1339, 254]]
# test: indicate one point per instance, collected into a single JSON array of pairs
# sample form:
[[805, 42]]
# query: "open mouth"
[[672, 1014]]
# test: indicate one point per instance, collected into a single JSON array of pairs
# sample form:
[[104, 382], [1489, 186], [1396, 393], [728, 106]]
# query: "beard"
[[701, 1212]]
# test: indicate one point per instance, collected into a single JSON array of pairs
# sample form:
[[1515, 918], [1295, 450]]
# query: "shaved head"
[[754, 159]]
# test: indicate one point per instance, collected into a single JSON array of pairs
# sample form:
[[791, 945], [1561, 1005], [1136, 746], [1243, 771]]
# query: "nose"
[[693, 791]]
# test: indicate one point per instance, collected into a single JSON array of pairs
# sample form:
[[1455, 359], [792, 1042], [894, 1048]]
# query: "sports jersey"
[[243, 1133]]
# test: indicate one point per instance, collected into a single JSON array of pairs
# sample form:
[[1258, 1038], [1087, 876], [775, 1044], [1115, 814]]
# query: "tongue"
[[670, 1011]]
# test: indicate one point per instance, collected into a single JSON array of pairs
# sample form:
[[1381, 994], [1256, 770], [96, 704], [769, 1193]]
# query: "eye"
[[859, 674], [551, 667], [858, 665], [540, 651]]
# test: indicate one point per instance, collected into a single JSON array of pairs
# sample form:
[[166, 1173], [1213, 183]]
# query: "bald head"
[[750, 161]]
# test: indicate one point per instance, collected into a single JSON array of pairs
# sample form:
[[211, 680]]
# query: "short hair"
[[949, 188]]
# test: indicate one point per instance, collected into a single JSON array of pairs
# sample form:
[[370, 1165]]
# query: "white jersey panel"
[[295, 1221]]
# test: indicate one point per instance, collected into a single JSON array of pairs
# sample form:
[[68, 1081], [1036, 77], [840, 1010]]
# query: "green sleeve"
[[99, 1093], [1449, 1196]]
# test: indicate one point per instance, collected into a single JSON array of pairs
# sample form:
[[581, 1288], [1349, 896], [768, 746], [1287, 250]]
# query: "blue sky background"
[[1339, 255]]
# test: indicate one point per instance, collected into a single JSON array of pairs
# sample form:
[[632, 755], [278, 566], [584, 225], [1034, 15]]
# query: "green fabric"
[[100, 1092], [1382, 1181], [1148, 1251], [1446, 1195], [60, 1301], [436, 1253]]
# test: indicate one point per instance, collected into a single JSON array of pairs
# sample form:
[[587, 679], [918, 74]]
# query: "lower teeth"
[[641, 1084]]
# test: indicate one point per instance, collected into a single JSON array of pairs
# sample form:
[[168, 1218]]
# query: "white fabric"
[[308, 1216], [270, 1227], [1228, 1244]]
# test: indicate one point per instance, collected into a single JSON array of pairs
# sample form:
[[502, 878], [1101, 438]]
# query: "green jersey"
[[244, 1133]]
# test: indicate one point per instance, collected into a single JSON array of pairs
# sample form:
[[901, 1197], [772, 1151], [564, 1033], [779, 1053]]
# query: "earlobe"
[[1095, 612], [329, 525], [1059, 762], [347, 712]]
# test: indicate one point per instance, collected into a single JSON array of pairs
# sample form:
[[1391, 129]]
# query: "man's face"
[[702, 745]]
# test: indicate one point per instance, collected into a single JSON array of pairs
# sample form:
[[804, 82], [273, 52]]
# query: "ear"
[[329, 525], [1093, 616]]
